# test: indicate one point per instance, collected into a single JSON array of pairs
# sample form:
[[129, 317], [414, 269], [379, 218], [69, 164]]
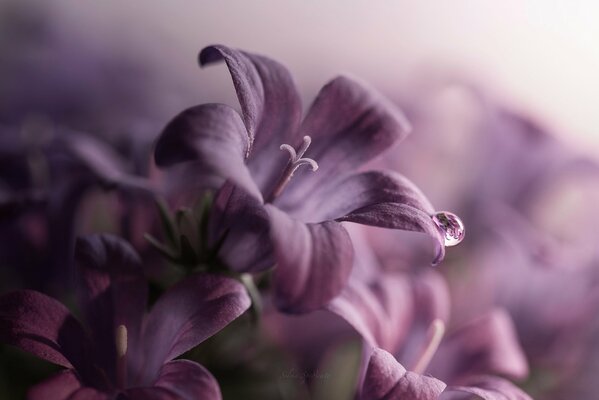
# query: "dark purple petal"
[[387, 379], [88, 393], [487, 345], [270, 106], [113, 292], [313, 261], [214, 138], [380, 311], [244, 224], [350, 124], [57, 387], [386, 199], [42, 326], [186, 315], [150, 393], [486, 388], [188, 380]]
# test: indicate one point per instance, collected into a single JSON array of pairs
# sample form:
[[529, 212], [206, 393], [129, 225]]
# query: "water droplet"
[[451, 225]]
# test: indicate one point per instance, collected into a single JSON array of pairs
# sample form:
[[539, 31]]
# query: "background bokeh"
[[538, 56]]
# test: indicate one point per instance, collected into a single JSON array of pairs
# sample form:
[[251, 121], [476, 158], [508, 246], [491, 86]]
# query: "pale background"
[[540, 57]]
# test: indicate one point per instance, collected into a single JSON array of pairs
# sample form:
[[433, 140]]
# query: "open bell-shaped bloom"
[[403, 317], [125, 353], [296, 177]]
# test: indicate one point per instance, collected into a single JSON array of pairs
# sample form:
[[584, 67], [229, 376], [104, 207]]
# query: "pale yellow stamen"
[[121, 341], [435, 334]]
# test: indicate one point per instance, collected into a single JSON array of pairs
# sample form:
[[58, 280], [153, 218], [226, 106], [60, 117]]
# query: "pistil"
[[434, 337], [296, 160], [121, 355]]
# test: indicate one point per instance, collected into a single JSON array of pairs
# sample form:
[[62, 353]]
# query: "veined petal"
[[214, 138], [57, 387], [240, 224], [186, 315], [188, 380], [379, 198], [486, 388], [44, 327], [270, 105], [313, 261], [350, 124], [112, 292], [387, 379], [490, 345]]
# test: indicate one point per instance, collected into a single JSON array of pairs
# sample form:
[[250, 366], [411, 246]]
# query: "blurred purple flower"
[[126, 354], [405, 315], [48, 173], [294, 209]]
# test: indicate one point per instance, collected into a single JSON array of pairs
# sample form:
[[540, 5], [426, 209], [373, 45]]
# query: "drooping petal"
[[486, 388], [44, 327], [381, 311], [189, 381], [113, 292], [270, 105], [379, 198], [387, 379], [488, 345], [57, 387], [213, 137], [350, 124], [239, 225], [186, 315], [314, 261]]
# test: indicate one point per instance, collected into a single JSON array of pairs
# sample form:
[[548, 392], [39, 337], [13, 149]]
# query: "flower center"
[[296, 160], [434, 336]]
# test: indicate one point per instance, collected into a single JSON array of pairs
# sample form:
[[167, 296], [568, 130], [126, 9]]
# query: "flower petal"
[[386, 199], [381, 311], [313, 261], [270, 105], [88, 393], [214, 138], [490, 346], [103, 162], [486, 388], [186, 315], [57, 387], [44, 327], [150, 393], [113, 292], [350, 124], [387, 379], [243, 223], [188, 380]]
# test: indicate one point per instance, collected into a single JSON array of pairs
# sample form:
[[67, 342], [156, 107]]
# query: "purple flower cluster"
[[289, 228]]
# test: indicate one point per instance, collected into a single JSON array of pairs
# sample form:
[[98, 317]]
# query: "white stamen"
[[295, 161], [291, 150], [434, 337], [121, 341], [303, 161]]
